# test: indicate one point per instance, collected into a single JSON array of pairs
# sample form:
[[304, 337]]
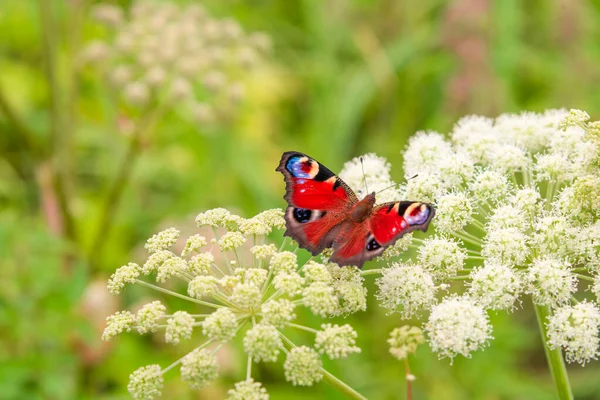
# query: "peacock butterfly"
[[324, 212]]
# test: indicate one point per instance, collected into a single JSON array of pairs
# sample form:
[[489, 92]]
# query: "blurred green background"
[[343, 78]]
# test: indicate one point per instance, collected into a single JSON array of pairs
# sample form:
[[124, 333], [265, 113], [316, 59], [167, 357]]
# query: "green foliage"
[[345, 78]]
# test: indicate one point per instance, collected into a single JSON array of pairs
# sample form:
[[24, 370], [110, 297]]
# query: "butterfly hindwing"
[[317, 200]]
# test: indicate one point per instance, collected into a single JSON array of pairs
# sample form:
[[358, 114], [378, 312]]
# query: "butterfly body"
[[324, 212]]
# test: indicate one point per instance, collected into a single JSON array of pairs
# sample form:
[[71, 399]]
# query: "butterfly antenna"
[[391, 186], [412, 177], [362, 165]]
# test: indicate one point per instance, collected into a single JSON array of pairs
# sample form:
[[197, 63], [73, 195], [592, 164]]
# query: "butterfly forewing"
[[317, 201], [391, 221]]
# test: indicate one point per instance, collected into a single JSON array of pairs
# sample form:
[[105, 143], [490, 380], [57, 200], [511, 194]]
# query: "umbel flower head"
[[517, 214], [176, 54], [517, 201], [254, 292]]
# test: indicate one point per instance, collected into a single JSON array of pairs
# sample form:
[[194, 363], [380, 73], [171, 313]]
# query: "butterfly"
[[324, 212]]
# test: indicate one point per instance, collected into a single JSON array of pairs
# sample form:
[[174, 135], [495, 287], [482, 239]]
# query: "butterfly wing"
[[317, 201], [391, 221], [357, 243]]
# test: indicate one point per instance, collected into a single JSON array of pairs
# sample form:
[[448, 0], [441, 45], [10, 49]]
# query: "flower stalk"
[[554, 357]]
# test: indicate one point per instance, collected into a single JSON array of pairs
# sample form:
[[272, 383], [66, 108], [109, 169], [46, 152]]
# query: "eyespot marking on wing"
[[416, 214], [302, 215], [372, 245], [302, 167]]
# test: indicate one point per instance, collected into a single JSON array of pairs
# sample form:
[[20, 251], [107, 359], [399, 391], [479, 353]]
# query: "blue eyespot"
[[295, 166], [419, 217]]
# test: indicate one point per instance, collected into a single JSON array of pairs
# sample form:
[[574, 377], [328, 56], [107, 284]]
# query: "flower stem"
[[341, 386], [585, 277], [408, 377], [249, 369], [338, 384], [554, 357], [181, 296], [371, 272], [472, 240], [302, 327], [115, 192]]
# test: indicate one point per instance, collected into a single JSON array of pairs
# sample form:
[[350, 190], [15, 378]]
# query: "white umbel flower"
[[575, 329], [248, 390], [495, 286], [376, 173], [220, 326], [231, 241], [148, 317], [263, 343], [509, 158], [405, 288], [507, 216], [122, 321], [193, 244], [203, 285], [216, 218], [303, 366], [442, 257], [550, 281], [320, 298], [457, 326], [454, 211], [199, 368], [284, 261], [162, 240], [146, 383], [405, 340], [278, 312], [526, 200], [336, 341], [246, 296], [490, 186], [123, 275], [508, 246], [424, 151], [179, 327]]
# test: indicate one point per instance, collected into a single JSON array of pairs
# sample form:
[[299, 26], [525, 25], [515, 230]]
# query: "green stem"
[[176, 363], [554, 357], [341, 386], [249, 369], [302, 327], [472, 240], [115, 192], [371, 271], [585, 277], [478, 224], [181, 296], [338, 384], [57, 115], [20, 129]]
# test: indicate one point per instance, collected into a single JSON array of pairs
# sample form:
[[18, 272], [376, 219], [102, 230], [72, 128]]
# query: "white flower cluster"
[[517, 200], [253, 293], [165, 52], [376, 173]]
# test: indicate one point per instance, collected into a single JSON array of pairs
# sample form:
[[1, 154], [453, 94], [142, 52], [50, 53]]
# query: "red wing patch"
[[315, 195], [391, 221]]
